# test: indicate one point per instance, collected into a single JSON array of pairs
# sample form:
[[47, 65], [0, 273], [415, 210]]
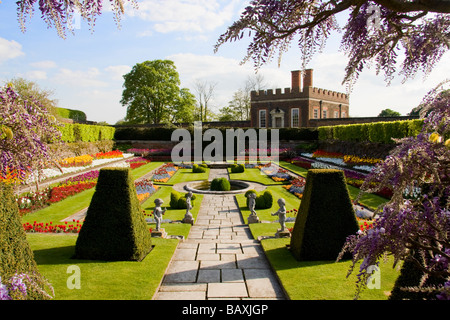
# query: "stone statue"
[[281, 213], [188, 218], [252, 218], [158, 213], [252, 203]]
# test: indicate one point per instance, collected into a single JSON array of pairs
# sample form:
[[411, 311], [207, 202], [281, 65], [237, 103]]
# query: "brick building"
[[297, 105]]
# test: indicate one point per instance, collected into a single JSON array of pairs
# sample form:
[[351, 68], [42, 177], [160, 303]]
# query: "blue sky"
[[85, 70]]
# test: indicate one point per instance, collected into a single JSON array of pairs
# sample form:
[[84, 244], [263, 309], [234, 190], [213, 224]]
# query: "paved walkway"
[[219, 259]]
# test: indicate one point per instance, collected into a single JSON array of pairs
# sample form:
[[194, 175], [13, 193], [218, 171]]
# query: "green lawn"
[[254, 175], [185, 175], [139, 280], [323, 280], [171, 214], [121, 280]]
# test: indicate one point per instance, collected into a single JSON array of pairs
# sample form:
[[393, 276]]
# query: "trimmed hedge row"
[[73, 132], [381, 132], [165, 134]]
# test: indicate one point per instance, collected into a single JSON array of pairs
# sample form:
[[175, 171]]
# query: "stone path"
[[219, 259]]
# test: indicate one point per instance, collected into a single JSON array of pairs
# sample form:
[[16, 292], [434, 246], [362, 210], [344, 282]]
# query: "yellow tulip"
[[435, 137]]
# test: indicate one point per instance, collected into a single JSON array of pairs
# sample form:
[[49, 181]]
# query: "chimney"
[[295, 80], [308, 78]]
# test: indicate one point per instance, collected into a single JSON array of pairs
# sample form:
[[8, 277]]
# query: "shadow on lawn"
[[281, 258]]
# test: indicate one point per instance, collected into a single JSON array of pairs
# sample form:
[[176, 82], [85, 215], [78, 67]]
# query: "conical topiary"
[[114, 227], [325, 217], [16, 255]]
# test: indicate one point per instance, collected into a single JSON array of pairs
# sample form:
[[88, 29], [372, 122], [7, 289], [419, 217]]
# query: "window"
[[324, 114], [336, 114], [344, 114], [262, 118], [316, 114], [294, 117]]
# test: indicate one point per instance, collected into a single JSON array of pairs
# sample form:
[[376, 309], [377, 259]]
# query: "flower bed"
[[164, 173], [275, 173], [109, 155], [144, 189], [80, 161], [296, 187], [49, 227], [137, 162]]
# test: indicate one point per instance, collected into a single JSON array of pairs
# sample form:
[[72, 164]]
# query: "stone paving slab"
[[219, 259]]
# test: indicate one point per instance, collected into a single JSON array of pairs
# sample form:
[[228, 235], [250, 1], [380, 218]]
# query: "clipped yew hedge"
[[16, 255], [325, 218], [114, 228], [378, 132], [74, 132]]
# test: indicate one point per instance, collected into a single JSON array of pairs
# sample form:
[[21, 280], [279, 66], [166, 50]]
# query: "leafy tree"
[[389, 113], [376, 32], [228, 114], [152, 92], [60, 13], [183, 109]]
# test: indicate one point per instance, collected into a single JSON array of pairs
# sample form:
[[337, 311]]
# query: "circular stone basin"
[[237, 186]]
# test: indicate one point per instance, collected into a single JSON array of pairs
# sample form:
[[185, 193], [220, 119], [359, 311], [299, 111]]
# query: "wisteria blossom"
[[60, 13], [376, 33], [415, 224], [26, 129]]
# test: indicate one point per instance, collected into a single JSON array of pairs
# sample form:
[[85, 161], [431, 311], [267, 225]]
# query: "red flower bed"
[[49, 227], [62, 192]]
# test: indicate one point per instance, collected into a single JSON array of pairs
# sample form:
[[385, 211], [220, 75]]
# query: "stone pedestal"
[[188, 218], [283, 233], [159, 234], [253, 218]]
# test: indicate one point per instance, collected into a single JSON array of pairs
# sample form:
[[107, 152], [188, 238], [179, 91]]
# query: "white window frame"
[[261, 119], [324, 114], [315, 113], [292, 117], [336, 114]]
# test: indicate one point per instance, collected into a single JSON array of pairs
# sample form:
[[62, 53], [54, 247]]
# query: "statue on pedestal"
[[188, 218], [283, 232], [252, 218], [158, 213]]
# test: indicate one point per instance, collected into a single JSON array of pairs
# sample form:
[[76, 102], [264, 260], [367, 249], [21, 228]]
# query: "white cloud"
[[227, 73], [80, 78], [10, 49], [45, 64], [117, 72], [36, 75], [185, 15]]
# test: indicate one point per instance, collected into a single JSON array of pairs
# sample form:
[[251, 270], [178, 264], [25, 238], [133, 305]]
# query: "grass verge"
[[99, 280], [323, 280]]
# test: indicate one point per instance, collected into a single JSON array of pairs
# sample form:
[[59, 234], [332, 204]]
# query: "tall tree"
[[184, 107], [205, 92], [151, 89], [376, 32]]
